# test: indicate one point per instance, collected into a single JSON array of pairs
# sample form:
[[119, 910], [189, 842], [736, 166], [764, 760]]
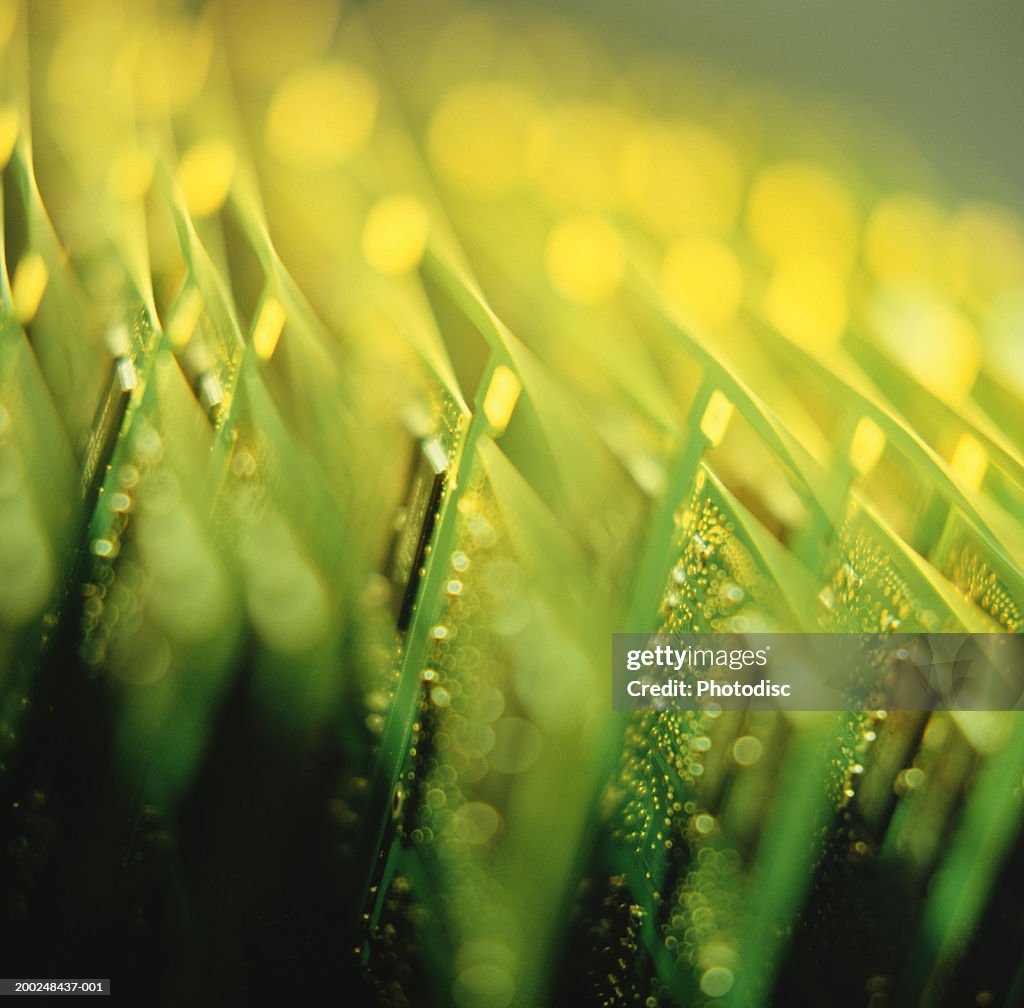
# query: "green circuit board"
[[363, 368]]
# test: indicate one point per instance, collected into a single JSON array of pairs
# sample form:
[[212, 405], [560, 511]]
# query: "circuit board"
[[363, 368]]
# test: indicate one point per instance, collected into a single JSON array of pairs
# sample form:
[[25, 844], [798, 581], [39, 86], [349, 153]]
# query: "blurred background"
[[943, 74]]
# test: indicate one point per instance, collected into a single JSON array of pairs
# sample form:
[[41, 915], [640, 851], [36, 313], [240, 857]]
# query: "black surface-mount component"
[[414, 527]]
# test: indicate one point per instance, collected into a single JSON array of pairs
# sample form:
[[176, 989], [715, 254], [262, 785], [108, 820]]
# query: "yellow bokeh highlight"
[[205, 175], [715, 421], [267, 330], [585, 258], [395, 234], [501, 398], [30, 279], [681, 177], [185, 318], [487, 138], [9, 126], [806, 301], [867, 445], [904, 239], [702, 280], [799, 209], [321, 115], [969, 462], [933, 340]]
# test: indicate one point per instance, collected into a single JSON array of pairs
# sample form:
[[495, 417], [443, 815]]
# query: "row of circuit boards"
[[363, 368]]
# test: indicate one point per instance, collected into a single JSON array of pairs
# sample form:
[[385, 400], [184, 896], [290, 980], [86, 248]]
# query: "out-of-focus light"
[[321, 115], [867, 445], [931, 339], [702, 280], [585, 259], [185, 318], [806, 302], [969, 462], [501, 398], [395, 235], [8, 133], [205, 176], [30, 279], [716, 417], [267, 330]]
